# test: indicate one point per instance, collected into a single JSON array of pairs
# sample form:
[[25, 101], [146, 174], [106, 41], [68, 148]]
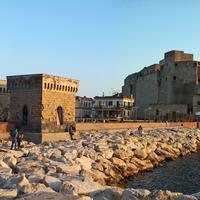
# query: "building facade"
[[4, 101], [167, 89], [84, 108], [42, 103], [116, 107]]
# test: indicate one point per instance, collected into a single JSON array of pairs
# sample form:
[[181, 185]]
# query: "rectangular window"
[[110, 103]]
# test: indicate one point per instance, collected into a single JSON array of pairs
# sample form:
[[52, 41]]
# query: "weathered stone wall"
[[4, 106], [58, 92], [25, 91], [146, 93], [4, 101], [177, 83]]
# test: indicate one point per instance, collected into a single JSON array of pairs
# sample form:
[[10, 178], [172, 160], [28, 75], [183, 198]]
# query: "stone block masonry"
[[42, 103], [174, 81]]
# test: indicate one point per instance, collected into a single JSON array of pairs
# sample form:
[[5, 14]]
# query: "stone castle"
[[168, 88], [42, 103], [4, 101]]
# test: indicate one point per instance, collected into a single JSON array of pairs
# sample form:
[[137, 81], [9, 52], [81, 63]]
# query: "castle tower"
[[41, 103]]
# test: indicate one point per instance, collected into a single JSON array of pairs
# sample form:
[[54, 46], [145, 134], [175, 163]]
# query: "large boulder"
[[79, 186], [72, 169], [11, 161], [118, 162], [6, 194], [134, 194], [52, 182], [140, 153], [107, 194], [85, 162], [34, 189], [44, 196], [107, 153]]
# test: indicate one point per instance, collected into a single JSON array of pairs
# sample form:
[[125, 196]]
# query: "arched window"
[[59, 115], [25, 115]]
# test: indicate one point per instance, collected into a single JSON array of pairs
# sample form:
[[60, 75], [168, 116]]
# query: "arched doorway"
[[59, 115], [25, 115]]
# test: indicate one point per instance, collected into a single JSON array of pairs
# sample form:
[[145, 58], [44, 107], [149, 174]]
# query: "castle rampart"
[[171, 82]]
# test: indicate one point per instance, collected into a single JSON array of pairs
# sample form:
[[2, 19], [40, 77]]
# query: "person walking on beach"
[[14, 136]]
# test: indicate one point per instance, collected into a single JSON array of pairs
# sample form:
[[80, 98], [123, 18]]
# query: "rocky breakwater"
[[91, 167]]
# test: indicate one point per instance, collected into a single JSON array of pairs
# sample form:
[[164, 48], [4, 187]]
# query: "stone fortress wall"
[[58, 92], [26, 100], [42, 103], [4, 101], [174, 81]]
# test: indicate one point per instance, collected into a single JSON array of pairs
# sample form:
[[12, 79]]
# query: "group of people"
[[16, 137]]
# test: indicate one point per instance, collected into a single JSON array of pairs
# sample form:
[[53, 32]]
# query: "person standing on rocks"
[[140, 129], [72, 130], [19, 139], [14, 136]]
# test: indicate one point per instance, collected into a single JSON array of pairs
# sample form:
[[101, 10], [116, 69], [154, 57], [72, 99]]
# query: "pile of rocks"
[[90, 167]]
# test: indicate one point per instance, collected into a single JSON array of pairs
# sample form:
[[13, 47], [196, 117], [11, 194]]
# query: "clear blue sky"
[[98, 42]]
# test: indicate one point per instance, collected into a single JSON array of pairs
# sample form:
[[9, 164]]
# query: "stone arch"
[[60, 115]]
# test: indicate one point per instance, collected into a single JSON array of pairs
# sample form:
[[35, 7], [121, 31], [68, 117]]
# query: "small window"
[[166, 78], [198, 103], [25, 115], [174, 77], [45, 85], [0, 89]]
